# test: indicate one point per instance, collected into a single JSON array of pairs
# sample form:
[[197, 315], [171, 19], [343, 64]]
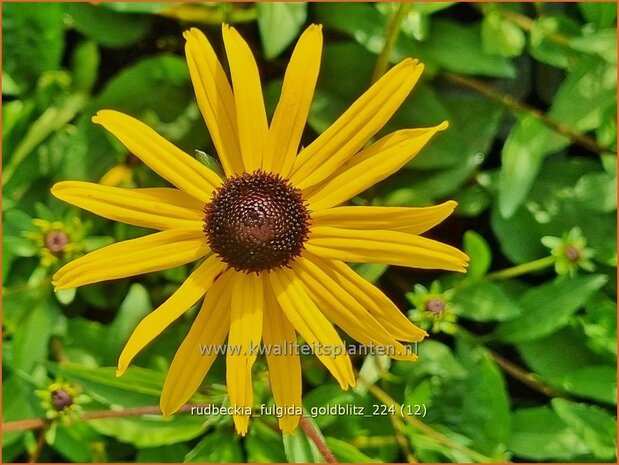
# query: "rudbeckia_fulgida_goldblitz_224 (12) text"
[[271, 241]]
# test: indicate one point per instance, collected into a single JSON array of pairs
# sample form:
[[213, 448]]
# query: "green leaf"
[[370, 271], [602, 14], [602, 43], [210, 162], [580, 103], [484, 412], [373, 368], [52, 120], [458, 48], [540, 434], [346, 452], [596, 427], [597, 192], [599, 325], [264, 445], [217, 447], [555, 356], [435, 360], [33, 42], [553, 209], [473, 124], [137, 387], [476, 247], [300, 449], [472, 200], [593, 382], [450, 46], [328, 394], [78, 442], [151, 431], [106, 27], [135, 307], [174, 453], [484, 301], [30, 342], [279, 24], [85, 66], [430, 450], [136, 7], [158, 84], [548, 307], [65, 296], [346, 70], [543, 48], [19, 246], [429, 8], [14, 388], [500, 36]]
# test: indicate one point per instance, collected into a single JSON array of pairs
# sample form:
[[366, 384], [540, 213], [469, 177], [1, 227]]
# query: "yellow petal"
[[371, 298], [285, 365], [215, 99], [356, 126], [163, 157], [411, 220], [311, 324], [294, 104], [246, 312], [201, 346], [156, 208], [117, 175], [194, 287], [381, 246], [341, 308], [379, 160], [250, 113], [155, 252]]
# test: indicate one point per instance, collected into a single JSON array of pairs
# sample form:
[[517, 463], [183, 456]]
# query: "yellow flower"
[[271, 235]]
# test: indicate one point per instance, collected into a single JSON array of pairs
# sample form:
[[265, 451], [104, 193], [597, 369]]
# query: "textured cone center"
[[256, 222]]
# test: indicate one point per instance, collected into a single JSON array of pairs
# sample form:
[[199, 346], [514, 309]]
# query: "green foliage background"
[[525, 368]]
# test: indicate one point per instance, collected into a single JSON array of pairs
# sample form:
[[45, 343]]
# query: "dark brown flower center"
[[256, 221], [61, 399]]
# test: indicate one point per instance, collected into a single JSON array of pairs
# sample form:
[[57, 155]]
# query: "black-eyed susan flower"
[[272, 240]]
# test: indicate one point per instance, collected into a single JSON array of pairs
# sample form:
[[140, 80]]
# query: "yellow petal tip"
[[241, 423]]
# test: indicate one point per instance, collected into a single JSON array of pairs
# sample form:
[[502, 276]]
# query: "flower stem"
[[516, 106], [509, 367], [318, 441], [519, 270], [530, 379], [429, 432], [36, 423], [34, 457], [391, 35]]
